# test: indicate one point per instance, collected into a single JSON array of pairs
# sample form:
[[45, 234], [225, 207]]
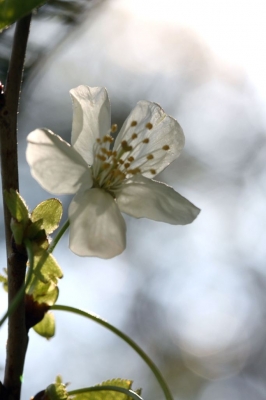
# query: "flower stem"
[[124, 337], [58, 236], [16, 258]]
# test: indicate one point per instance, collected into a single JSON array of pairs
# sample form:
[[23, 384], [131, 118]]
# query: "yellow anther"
[[134, 171], [98, 140], [127, 164], [152, 171], [101, 157], [121, 161], [131, 159], [114, 153], [149, 125], [133, 123], [146, 140], [150, 156], [107, 138], [114, 128], [106, 165], [125, 146], [166, 147], [134, 136]]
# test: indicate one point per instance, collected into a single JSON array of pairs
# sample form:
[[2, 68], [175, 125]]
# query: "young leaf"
[[45, 293], [50, 212], [45, 267], [12, 10], [107, 394], [46, 327], [16, 205]]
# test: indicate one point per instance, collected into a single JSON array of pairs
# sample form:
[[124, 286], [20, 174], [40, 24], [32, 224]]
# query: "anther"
[[150, 156], [98, 140], [146, 140], [152, 171], [134, 171], [130, 159], [107, 138], [101, 157], [114, 128], [106, 165], [127, 164], [134, 136], [166, 147], [125, 146], [149, 125], [133, 123]]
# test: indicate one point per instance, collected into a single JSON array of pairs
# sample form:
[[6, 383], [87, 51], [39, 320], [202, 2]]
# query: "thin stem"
[[109, 388], [127, 339], [58, 236], [12, 307], [17, 259]]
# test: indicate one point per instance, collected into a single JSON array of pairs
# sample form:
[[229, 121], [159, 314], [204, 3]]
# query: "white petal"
[[97, 227], [144, 198], [57, 167], [165, 131], [91, 118]]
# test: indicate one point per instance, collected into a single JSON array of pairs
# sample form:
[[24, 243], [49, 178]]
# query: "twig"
[[16, 258]]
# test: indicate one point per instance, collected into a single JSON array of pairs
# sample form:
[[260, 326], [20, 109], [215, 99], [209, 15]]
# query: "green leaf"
[[107, 394], [45, 293], [15, 203], [33, 229], [50, 212], [46, 327], [45, 267], [12, 10]]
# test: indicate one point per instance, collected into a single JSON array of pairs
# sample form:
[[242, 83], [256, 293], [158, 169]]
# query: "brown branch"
[[16, 260]]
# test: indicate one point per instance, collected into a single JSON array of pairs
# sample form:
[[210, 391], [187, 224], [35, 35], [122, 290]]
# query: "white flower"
[[106, 179]]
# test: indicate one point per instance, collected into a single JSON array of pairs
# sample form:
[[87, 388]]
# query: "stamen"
[[114, 128], [152, 171], [98, 140], [133, 123], [100, 157], [106, 165], [166, 147], [149, 125], [134, 171], [127, 165], [107, 138], [125, 146], [134, 136], [146, 140], [150, 156], [131, 159]]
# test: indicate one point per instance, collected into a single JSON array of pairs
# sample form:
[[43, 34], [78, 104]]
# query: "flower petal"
[[97, 227], [57, 167], [91, 118], [157, 134], [144, 198]]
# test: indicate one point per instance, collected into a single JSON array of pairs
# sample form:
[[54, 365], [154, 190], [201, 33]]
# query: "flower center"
[[112, 167]]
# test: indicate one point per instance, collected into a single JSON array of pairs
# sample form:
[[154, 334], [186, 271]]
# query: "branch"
[[16, 258]]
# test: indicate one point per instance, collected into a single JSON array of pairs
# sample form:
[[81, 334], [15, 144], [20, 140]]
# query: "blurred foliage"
[[65, 15], [13, 10]]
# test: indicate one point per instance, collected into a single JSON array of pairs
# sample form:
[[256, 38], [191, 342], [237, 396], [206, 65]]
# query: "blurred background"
[[193, 297]]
